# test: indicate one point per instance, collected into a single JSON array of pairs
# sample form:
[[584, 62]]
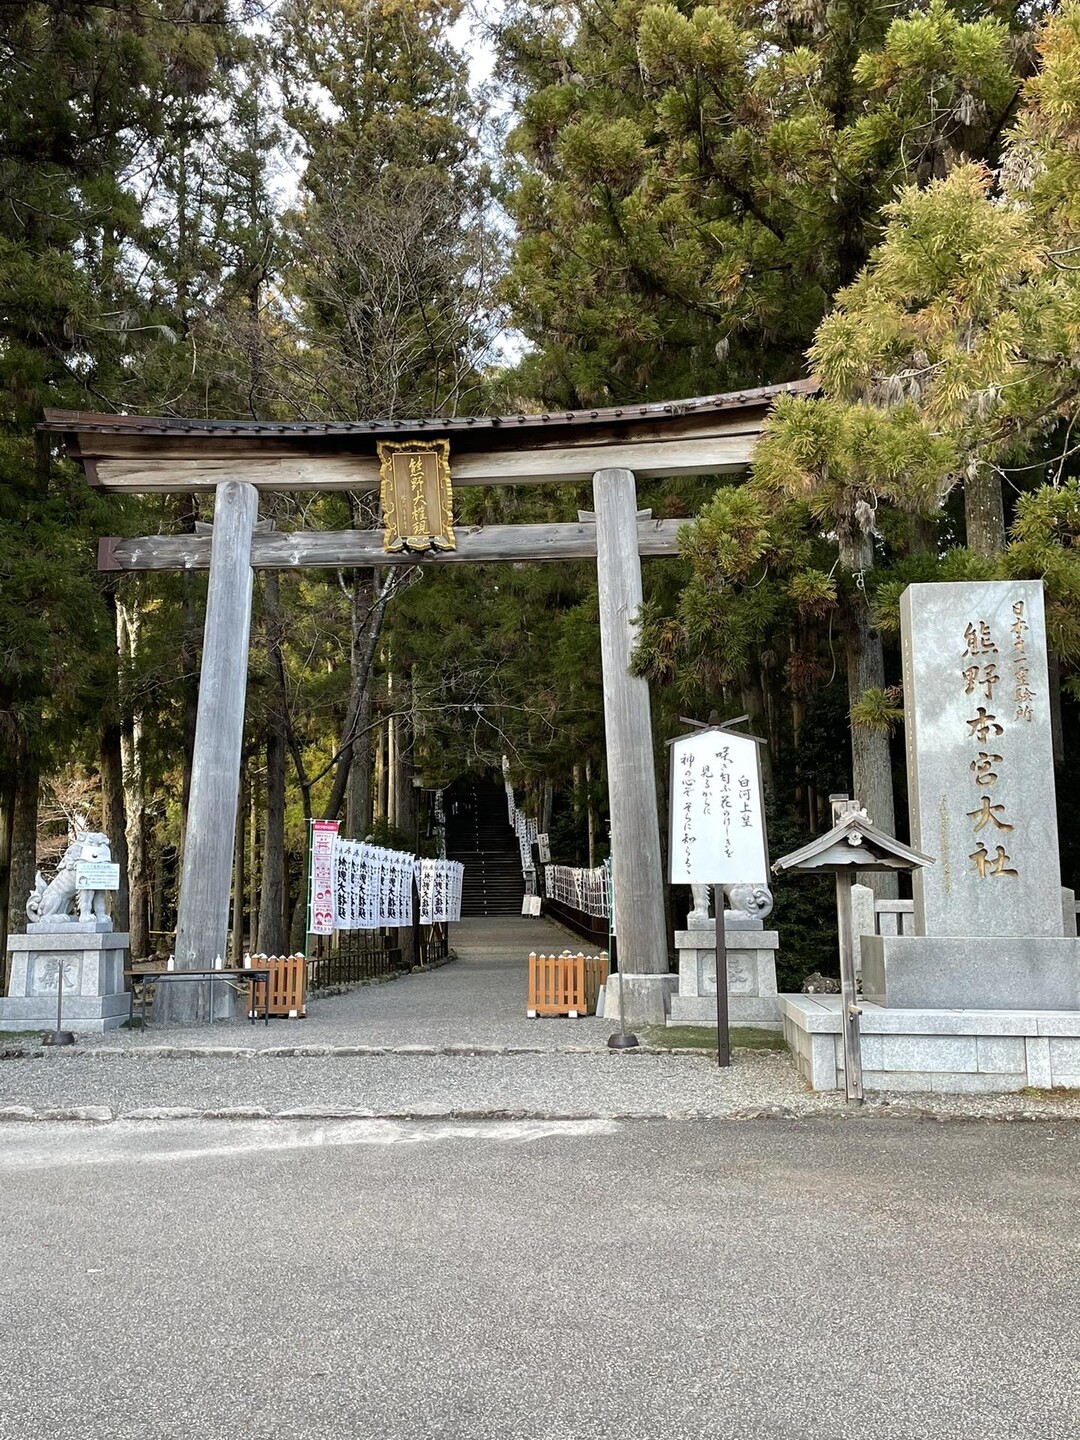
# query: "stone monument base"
[[647, 998], [938, 972], [949, 1051], [93, 979], [751, 967]]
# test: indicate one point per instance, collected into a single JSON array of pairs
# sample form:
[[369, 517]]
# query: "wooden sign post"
[[717, 830]]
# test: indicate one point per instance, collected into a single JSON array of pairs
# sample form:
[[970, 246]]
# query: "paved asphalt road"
[[540, 1282]]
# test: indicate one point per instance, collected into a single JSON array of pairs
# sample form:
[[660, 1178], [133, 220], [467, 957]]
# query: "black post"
[[59, 1036], [723, 1038], [418, 944]]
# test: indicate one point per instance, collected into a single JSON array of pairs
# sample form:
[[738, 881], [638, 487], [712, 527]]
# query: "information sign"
[[97, 875], [717, 817]]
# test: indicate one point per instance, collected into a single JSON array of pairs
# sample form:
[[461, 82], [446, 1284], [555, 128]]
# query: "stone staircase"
[[479, 835]]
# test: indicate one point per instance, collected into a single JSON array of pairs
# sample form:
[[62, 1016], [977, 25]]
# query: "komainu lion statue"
[[59, 899], [748, 902]]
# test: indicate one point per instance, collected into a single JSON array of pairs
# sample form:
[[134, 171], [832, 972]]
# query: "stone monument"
[[989, 930], [69, 945], [751, 961], [983, 994]]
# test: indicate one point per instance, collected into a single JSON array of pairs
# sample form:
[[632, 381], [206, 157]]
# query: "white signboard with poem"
[[717, 818]]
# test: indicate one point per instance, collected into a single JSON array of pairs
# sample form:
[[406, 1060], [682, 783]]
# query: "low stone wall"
[[949, 1051]]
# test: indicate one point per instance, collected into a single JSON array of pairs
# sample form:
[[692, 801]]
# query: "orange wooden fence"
[[288, 974], [565, 984]]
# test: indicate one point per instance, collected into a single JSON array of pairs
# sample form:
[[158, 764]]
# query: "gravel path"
[[479, 999], [607, 1085]]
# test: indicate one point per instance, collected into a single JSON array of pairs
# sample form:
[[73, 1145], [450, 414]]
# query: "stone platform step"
[[925, 1050]]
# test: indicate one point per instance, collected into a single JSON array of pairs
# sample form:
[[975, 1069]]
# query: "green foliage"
[[878, 710], [692, 183]]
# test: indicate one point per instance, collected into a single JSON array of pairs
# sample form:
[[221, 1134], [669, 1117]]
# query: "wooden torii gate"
[[236, 459]]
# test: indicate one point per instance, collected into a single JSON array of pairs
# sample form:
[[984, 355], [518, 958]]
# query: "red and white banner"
[[321, 891]]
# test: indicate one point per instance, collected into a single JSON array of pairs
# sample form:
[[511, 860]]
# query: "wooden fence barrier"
[[288, 974], [565, 984]]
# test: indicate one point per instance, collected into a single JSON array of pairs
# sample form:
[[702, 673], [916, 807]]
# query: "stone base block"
[[646, 998], [85, 1014], [953, 1051], [751, 977], [88, 966], [70, 925], [937, 972], [761, 1011]]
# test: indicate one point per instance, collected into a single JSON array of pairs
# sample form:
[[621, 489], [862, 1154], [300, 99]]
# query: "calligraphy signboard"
[[321, 877], [717, 817], [980, 759], [417, 500]]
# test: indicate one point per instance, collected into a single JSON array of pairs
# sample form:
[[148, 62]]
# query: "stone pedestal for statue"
[[751, 968], [751, 961], [69, 946], [92, 960]]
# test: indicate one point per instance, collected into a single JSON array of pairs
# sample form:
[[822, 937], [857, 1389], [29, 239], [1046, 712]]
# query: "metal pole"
[[307, 889], [59, 1036], [853, 1080], [723, 1036]]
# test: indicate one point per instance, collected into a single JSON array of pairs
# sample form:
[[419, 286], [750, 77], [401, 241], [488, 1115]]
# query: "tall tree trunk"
[[358, 795], [271, 897], [23, 843], [358, 808], [405, 814], [382, 798], [131, 752], [286, 898], [753, 702], [7, 838], [239, 895], [984, 513], [871, 762], [590, 817], [131, 758], [271, 889], [157, 893], [253, 866], [115, 817], [365, 644]]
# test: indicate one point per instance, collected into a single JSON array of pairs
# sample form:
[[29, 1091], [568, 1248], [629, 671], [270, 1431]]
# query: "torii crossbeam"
[[708, 435]]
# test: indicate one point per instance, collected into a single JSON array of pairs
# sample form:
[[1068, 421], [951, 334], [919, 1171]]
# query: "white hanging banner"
[[439, 885], [717, 815]]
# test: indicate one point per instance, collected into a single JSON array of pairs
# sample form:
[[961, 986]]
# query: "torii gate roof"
[[142, 453]]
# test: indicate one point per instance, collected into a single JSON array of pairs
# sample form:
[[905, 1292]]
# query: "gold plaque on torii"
[[416, 495]]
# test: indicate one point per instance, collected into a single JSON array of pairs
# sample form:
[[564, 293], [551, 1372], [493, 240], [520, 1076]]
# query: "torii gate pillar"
[[202, 925], [635, 827]]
